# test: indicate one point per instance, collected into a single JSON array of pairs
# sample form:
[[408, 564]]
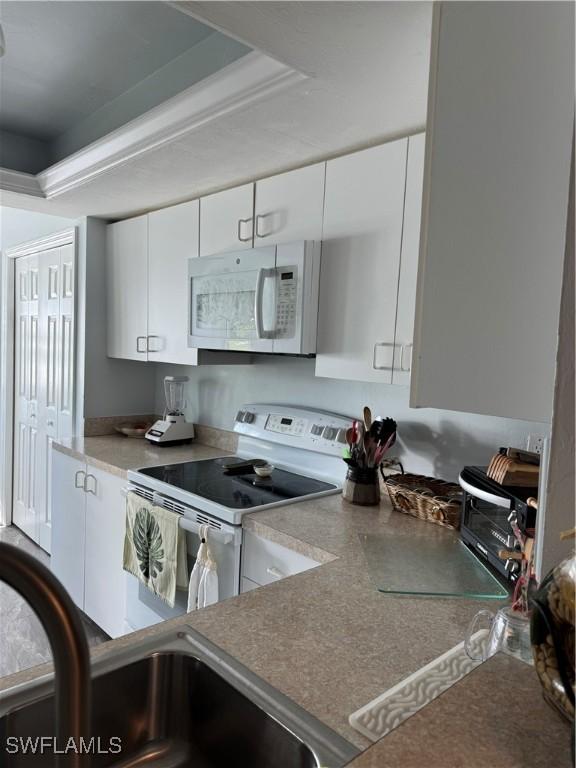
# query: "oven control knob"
[[240, 416], [330, 433], [317, 429], [342, 436], [248, 417]]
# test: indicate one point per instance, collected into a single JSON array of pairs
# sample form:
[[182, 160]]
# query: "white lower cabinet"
[[104, 577], [265, 561], [87, 539], [68, 524]]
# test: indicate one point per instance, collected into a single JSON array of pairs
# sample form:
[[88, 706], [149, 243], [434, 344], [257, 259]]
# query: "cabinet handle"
[[148, 343], [86, 488], [76, 483], [138, 340], [260, 217], [275, 572], [403, 349], [243, 239], [381, 344]]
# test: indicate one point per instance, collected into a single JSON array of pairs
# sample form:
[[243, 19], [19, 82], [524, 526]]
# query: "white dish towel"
[[203, 586]]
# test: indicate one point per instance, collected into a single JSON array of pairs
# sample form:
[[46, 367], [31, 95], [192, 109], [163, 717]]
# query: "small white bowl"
[[264, 471]]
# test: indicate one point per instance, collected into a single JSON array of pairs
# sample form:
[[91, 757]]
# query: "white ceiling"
[[65, 60], [367, 64]]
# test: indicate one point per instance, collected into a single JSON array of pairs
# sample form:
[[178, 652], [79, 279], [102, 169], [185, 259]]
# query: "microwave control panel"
[[286, 299]]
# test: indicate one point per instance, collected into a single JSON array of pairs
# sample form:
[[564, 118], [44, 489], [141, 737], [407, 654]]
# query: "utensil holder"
[[362, 486]]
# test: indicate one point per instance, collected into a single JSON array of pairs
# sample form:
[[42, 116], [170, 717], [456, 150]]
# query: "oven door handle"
[[263, 274], [191, 525], [491, 498]]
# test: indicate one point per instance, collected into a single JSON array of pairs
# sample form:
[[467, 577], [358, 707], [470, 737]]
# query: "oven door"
[[143, 608]]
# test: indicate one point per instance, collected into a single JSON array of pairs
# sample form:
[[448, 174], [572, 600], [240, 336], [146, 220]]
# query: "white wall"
[[18, 226], [430, 441]]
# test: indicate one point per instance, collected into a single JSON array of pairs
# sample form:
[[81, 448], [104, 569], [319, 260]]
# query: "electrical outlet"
[[535, 443]]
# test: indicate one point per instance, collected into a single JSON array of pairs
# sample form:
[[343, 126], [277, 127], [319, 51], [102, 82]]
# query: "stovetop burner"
[[206, 478]]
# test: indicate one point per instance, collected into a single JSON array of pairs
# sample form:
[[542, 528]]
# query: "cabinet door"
[[496, 185], [289, 206], [360, 263], [404, 336], [127, 288], [68, 524], [105, 590], [227, 220], [172, 240]]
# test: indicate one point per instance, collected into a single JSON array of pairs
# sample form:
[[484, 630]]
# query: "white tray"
[[400, 702]]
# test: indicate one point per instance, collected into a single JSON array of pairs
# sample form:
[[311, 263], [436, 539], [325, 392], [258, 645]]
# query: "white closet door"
[[44, 380], [65, 405], [21, 393]]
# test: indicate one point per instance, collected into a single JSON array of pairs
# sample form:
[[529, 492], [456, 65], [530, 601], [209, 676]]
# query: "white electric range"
[[304, 446]]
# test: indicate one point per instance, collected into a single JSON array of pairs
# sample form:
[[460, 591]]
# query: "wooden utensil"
[[367, 418]]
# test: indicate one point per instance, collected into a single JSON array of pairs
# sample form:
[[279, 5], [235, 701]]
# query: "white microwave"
[[257, 300]]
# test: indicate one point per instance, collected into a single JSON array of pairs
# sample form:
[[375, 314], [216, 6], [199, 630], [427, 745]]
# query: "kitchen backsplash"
[[430, 441]]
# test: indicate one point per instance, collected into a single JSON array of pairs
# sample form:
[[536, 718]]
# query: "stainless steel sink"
[[177, 701]]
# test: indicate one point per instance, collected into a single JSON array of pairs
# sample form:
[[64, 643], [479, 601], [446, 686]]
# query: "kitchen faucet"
[[62, 623]]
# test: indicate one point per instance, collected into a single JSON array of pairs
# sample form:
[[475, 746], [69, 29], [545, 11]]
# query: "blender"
[[173, 428]]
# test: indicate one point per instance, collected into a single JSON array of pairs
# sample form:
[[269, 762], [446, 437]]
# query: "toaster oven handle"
[[491, 498], [263, 274]]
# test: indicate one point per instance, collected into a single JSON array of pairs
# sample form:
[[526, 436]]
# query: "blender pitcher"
[[174, 394]]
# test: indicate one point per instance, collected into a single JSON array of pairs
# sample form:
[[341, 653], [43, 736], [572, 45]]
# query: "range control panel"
[[287, 425], [296, 427]]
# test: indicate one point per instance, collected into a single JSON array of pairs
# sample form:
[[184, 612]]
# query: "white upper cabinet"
[[227, 220], [501, 112], [127, 288], [281, 209], [404, 335], [172, 240], [289, 206], [361, 247]]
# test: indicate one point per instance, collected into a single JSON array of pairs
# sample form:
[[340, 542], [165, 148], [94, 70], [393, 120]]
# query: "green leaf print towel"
[[155, 548]]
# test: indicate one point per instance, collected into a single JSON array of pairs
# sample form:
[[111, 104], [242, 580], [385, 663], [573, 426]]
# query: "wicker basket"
[[427, 498]]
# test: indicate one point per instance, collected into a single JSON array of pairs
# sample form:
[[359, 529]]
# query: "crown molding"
[[21, 183], [252, 77], [54, 240]]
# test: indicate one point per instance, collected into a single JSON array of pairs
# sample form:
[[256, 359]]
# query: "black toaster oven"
[[487, 511]]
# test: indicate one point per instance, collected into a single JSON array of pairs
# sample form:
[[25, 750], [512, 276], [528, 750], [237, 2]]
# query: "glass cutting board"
[[428, 564]]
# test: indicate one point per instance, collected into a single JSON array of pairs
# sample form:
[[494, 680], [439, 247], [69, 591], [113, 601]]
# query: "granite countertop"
[[330, 641], [117, 454], [495, 716]]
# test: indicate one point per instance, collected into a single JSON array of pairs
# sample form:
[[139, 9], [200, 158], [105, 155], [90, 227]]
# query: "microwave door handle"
[[263, 273]]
